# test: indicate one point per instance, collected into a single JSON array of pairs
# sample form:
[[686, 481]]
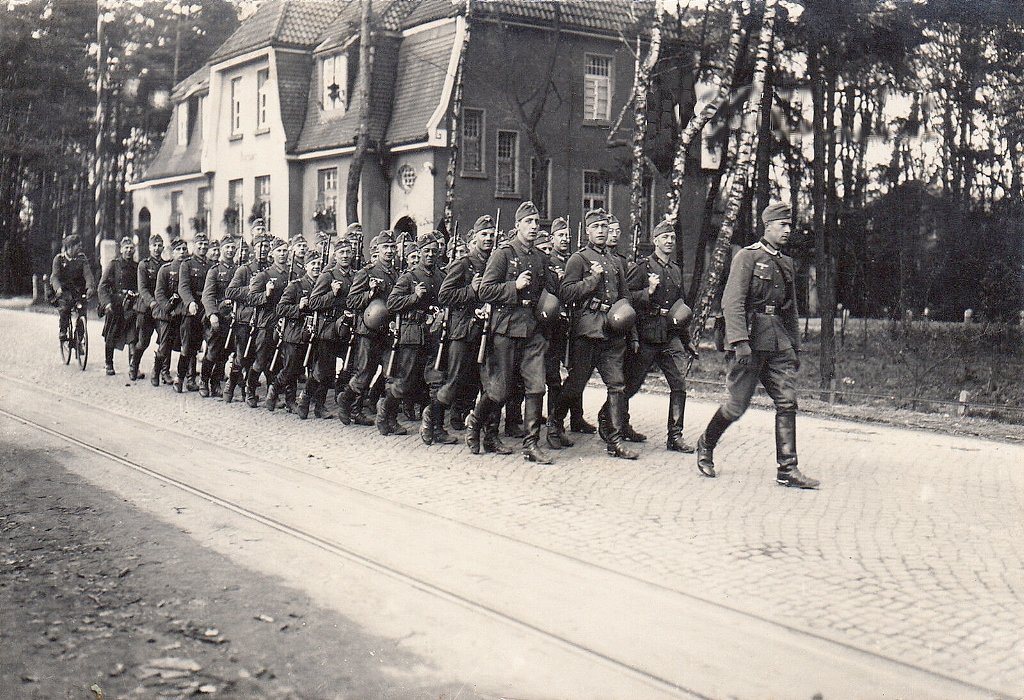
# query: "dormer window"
[[334, 83], [181, 113]]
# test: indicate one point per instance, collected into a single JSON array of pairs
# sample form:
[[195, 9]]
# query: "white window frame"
[[329, 73], [263, 196], [236, 106], [181, 112], [593, 84], [589, 200], [203, 205], [262, 99], [481, 141], [327, 198], [177, 200], [498, 160], [236, 198]]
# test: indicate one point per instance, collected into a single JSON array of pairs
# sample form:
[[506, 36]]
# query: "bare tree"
[[355, 170]]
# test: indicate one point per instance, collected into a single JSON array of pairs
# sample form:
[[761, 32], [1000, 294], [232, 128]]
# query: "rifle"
[[394, 346], [315, 329], [481, 355], [229, 340], [252, 325], [280, 321], [444, 338]]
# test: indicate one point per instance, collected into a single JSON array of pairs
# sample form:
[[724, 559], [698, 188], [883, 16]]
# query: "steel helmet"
[[375, 316], [621, 317], [680, 314], [548, 307]]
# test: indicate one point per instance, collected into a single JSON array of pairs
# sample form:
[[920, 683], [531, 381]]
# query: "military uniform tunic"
[[660, 343], [372, 346], [191, 280], [465, 327], [146, 303], [216, 302], [119, 288], [517, 348], [759, 305], [413, 367], [335, 320]]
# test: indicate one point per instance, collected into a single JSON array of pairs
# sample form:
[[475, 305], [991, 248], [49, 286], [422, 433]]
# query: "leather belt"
[[767, 310], [526, 302], [598, 306], [663, 312]]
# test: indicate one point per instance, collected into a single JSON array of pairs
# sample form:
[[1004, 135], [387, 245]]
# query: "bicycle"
[[77, 342]]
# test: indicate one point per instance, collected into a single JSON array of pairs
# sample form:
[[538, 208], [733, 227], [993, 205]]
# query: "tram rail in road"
[[657, 642]]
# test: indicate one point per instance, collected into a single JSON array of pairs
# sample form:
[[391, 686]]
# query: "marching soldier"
[[118, 292], [413, 301], [244, 313], [213, 253], [656, 290], [367, 298], [515, 276], [146, 304], [296, 334], [557, 339], [219, 317], [191, 280], [265, 290], [168, 313], [762, 330], [460, 293], [631, 357], [593, 283], [329, 299], [70, 277]]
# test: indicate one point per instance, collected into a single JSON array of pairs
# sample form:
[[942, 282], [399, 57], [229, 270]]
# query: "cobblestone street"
[[912, 550]]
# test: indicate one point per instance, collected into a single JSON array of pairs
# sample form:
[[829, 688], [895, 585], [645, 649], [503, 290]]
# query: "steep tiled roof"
[[422, 67], [388, 15], [198, 81], [430, 10], [601, 16], [173, 159], [323, 130], [294, 74], [297, 23]]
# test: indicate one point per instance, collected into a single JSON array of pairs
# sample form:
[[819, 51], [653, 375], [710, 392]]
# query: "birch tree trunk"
[[641, 88], [697, 123], [714, 276], [453, 132], [355, 170]]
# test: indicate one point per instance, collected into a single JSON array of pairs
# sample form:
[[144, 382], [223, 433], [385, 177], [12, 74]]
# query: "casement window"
[[597, 88], [507, 172], [597, 191], [327, 189], [236, 106], [263, 197], [334, 82], [235, 202], [203, 207], [175, 222], [540, 185], [472, 141], [181, 114], [262, 96]]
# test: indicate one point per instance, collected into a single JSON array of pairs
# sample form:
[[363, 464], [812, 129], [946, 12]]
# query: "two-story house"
[[269, 125]]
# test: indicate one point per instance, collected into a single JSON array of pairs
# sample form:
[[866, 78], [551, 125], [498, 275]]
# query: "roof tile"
[[280, 22]]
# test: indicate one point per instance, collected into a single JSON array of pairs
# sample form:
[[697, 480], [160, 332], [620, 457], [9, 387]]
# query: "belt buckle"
[[769, 308]]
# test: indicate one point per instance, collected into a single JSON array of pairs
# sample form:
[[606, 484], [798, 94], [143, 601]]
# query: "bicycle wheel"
[[65, 350], [82, 341]]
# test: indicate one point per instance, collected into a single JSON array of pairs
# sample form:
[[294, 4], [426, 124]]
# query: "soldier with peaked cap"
[[218, 308], [371, 284], [515, 276], [460, 293], [593, 283], [191, 280], [118, 291], [329, 299], [71, 276], [762, 330], [265, 291], [656, 288], [168, 312], [294, 308], [145, 305], [632, 344], [413, 301], [238, 292]]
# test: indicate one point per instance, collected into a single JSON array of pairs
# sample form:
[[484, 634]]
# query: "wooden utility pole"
[[99, 220], [641, 89]]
